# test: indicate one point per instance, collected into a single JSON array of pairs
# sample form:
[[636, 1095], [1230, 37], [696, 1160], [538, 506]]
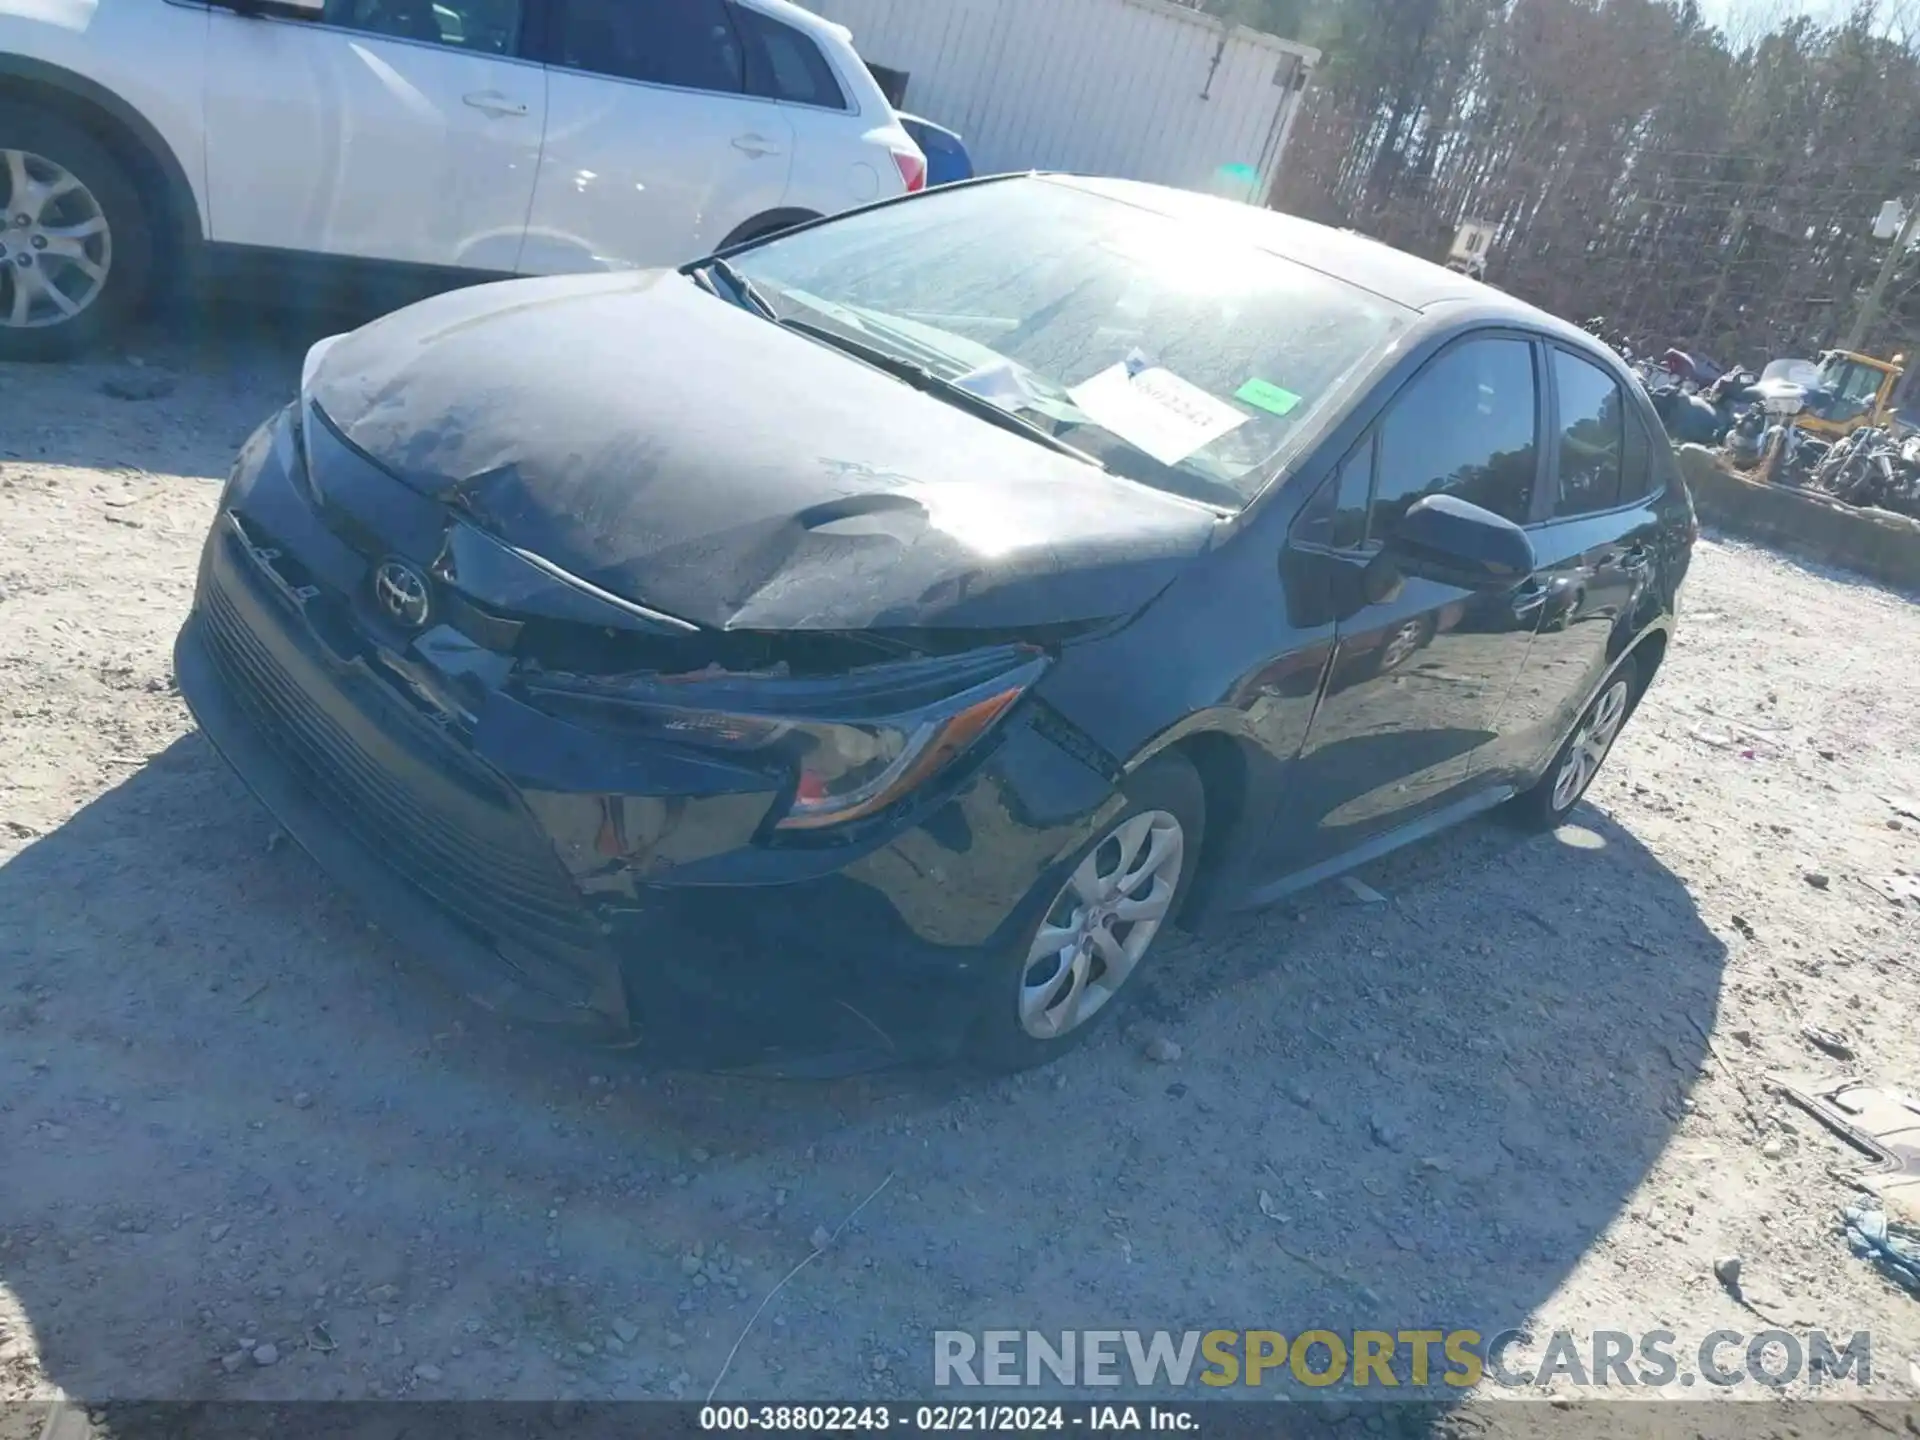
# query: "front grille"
[[439, 817]]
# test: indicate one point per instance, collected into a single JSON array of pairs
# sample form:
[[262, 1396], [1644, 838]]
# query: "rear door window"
[[688, 43], [783, 64], [1636, 475], [1593, 437]]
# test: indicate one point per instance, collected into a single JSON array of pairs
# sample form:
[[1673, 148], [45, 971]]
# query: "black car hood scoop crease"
[[683, 454]]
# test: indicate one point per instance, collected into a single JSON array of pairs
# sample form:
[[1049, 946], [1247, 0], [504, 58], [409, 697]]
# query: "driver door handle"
[[492, 102], [755, 145]]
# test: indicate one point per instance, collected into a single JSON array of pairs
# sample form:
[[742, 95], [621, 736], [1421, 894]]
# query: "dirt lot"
[[244, 1152]]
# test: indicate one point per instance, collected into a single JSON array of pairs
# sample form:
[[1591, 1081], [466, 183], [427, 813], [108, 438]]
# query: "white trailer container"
[[1143, 89]]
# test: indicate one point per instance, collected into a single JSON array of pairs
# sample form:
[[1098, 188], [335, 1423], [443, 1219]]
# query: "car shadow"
[[235, 1118]]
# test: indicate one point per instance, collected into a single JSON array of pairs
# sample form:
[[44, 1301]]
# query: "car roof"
[[805, 21], [1345, 255]]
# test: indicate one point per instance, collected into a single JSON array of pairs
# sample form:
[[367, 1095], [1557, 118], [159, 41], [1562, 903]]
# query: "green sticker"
[[1266, 396]]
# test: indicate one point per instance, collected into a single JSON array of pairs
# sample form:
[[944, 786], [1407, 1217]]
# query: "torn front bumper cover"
[[536, 994], [588, 1003]]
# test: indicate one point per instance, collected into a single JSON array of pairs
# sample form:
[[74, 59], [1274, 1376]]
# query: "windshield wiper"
[[744, 289], [928, 383]]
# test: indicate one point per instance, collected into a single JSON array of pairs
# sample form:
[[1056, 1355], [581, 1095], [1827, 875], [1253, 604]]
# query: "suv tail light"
[[913, 170]]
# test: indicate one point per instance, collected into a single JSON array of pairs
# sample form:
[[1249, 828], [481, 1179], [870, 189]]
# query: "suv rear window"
[[783, 64]]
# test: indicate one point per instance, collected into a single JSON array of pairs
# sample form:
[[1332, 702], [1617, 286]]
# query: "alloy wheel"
[[1100, 924], [56, 247], [1590, 745]]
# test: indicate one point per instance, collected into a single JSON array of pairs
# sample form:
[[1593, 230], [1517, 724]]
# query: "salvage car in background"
[[863, 647], [410, 144], [948, 162]]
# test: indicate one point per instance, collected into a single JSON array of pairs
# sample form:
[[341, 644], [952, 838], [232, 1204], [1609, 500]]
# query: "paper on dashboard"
[[1156, 411]]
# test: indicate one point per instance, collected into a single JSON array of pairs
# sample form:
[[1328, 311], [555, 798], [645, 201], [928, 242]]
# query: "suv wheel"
[[75, 248]]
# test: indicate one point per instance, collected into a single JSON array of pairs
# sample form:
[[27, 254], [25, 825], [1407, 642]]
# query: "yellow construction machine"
[[1854, 391]]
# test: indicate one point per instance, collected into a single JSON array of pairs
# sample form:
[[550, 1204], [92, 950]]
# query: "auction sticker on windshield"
[[1156, 411], [1268, 396]]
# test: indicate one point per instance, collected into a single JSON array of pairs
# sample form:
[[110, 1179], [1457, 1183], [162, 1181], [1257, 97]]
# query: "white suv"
[[460, 139]]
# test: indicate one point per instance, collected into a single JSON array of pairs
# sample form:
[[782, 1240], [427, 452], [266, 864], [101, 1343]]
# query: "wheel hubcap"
[[1100, 924], [1590, 745], [60, 247]]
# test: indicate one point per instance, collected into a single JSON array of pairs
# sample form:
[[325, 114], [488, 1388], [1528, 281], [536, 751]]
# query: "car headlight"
[[848, 746]]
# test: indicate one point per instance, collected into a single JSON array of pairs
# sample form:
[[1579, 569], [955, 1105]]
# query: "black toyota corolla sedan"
[[866, 645]]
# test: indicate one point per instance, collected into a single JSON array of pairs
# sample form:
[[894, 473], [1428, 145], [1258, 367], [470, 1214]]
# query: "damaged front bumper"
[[619, 889]]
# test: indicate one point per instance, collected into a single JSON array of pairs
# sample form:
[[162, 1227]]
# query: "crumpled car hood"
[[686, 455]]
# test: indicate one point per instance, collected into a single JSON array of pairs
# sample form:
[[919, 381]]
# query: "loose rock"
[[268, 1354], [1162, 1051]]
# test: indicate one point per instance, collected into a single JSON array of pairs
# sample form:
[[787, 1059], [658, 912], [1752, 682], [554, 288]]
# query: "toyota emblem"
[[401, 592]]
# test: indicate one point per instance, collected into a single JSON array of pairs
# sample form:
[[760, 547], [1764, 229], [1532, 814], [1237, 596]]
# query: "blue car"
[[947, 157]]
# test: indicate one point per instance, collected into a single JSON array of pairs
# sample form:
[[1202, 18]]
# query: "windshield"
[[1849, 379], [1169, 356]]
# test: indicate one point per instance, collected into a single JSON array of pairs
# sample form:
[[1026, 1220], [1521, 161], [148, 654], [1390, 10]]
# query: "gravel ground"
[[245, 1153]]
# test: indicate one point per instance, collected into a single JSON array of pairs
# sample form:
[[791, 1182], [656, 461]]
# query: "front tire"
[[1548, 803], [76, 248], [1070, 972]]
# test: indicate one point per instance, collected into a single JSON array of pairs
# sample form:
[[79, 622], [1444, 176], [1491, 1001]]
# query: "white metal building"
[[1143, 89]]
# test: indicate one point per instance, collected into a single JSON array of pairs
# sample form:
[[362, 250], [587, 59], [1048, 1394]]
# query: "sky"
[[1726, 12]]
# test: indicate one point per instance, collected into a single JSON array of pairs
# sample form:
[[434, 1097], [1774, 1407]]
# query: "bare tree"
[[1707, 186]]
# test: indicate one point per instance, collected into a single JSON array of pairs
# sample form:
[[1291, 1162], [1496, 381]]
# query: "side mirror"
[[1447, 539]]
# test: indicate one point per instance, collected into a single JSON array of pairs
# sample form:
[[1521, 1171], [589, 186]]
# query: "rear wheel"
[[76, 252], [1549, 803], [1124, 888], [763, 226]]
